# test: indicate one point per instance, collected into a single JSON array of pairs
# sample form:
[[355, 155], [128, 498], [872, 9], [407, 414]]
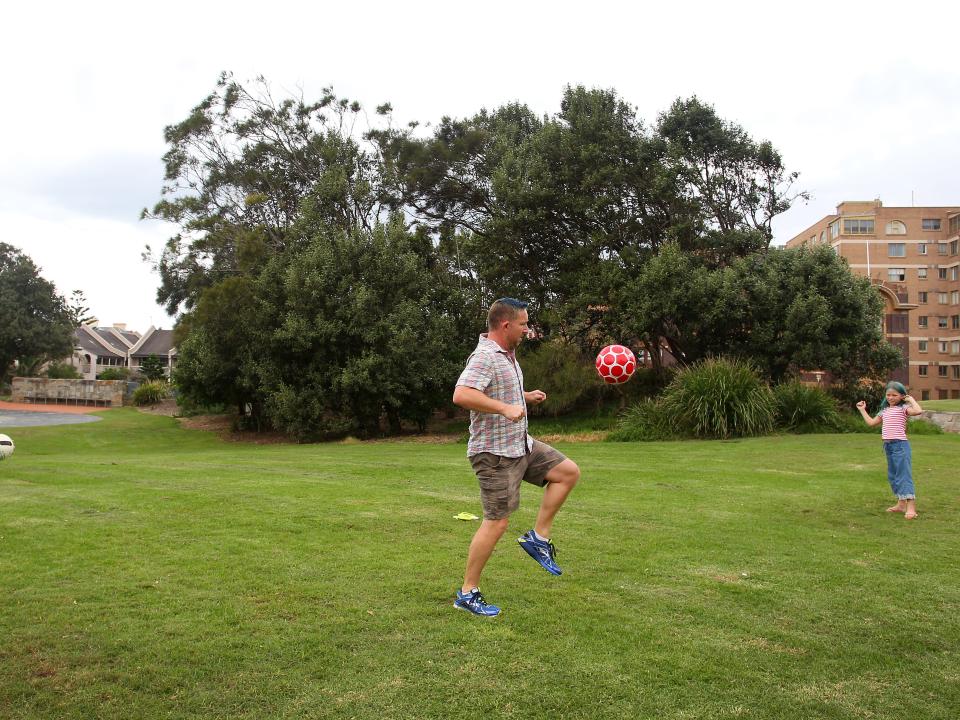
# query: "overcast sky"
[[863, 99]]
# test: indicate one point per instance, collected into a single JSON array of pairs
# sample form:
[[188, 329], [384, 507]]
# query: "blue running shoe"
[[542, 551], [473, 602]]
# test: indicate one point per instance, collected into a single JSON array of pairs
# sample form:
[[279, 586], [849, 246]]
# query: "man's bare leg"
[[481, 548], [560, 481]]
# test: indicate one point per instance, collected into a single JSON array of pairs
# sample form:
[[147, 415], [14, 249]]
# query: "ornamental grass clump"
[[643, 420], [803, 409], [719, 398], [150, 393]]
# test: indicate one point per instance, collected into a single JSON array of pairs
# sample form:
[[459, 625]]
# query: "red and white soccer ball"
[[616, 364]]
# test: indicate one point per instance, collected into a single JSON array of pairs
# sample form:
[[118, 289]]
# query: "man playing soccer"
[[503, 454]]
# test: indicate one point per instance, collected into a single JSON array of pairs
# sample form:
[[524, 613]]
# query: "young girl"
[[894, 409]]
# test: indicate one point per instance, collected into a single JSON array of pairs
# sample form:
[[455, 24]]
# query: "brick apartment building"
[[911, 255]]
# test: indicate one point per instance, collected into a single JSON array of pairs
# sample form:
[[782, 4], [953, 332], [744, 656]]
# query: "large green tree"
[[614, 230], [360, 326], [152, 368], [35, 323], [787, 310], [526, 205], [238, 170], [218, 348], [566, 208], [737, 184]]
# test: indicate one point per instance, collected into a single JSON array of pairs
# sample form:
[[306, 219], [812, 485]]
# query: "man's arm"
[[472, 399], [535, 397]]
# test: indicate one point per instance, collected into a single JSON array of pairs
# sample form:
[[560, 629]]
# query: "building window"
[[922, 248], [921, 273], [858, 227], [942, 298], [896, 274], [922, 321], [953, 273], [823, 236], [955, 297], [922, 297], [953, 246], [955, 347], [898, 323], [941, 248], [896, 250], [955, 224], [921, 346], [955, 322], [931, 224], [834, 229], [942, 371], [895, 227], [956, 372], [942, 347], [941, 273], [924, 394], [942, 323], [922, 372]]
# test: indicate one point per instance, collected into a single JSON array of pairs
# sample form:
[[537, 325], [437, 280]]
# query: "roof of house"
[[99, 344], [111, 341], [157, 342]]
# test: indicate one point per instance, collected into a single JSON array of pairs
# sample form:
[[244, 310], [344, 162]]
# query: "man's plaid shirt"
[[492, 371]]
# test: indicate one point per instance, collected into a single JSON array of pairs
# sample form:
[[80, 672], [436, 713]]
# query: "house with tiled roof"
[[154, 342], [100, 348]]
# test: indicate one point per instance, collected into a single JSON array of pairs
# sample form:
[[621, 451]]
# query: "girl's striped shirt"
[[894, 422]]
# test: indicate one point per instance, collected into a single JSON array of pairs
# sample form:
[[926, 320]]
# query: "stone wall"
[[99, 393], [949, 421]]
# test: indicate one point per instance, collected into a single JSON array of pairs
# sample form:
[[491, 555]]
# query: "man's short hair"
[[504, 309]]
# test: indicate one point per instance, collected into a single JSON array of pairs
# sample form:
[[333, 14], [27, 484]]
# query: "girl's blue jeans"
[[899, 471]]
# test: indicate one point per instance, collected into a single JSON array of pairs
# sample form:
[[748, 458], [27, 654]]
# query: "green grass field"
[[147, 571], [942, 405]]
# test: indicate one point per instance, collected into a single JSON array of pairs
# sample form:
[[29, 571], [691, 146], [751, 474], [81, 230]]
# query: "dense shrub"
[[718, 398], [562, 371], [804, 409], [853, 423], [62, 371], [643, 420], [918, 426], [870, 391], [114, 374], [306, 417], [645, 383], [187, 407], [150, 393]]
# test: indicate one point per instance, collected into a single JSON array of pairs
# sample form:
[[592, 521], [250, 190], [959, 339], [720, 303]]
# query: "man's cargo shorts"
[[500, 477]]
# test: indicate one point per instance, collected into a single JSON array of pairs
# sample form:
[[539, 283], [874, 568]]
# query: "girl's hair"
[[896, 387]]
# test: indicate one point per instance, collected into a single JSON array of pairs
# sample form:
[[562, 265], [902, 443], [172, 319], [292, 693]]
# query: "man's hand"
[[535, 397], [513, 412]]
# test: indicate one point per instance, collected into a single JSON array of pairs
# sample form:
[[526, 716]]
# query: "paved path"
[[31, 415]]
